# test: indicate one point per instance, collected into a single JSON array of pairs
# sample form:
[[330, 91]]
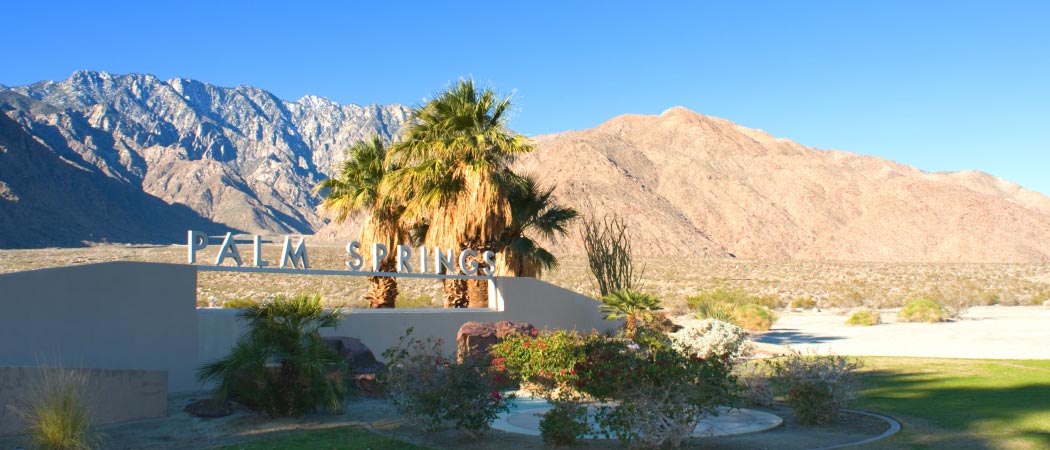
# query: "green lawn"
[[961, 403], [338, 438]]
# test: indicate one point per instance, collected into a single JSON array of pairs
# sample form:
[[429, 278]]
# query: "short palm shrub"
[[635, 308], [922, 310], [816, 387], [282, 366], [864, 318], [58, 415], [431, 388], [754, 317], [712, 338]]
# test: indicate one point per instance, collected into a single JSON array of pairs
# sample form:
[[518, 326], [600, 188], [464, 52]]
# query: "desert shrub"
[[282, 366], [58, 415], [754, 317], [767, 301], [428, 386], [922, 310], [662, 395], [864, 317], [240, 303], [802, 303], [816, 387], [712, 338], [718, 296], [564, 424], [419, 301], [755, 384]]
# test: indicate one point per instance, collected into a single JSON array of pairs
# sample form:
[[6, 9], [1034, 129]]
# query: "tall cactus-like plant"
[[608, 247]]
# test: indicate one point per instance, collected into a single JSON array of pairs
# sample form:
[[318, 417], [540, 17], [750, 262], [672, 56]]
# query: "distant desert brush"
[[864, 317], [922, 310]]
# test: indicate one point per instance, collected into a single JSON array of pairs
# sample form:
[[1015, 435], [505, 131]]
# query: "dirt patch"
[[181, 431]]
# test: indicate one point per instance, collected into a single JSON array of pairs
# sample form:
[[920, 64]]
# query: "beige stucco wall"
[[143, 316], [516, 299], [118, 315], [111, 395]]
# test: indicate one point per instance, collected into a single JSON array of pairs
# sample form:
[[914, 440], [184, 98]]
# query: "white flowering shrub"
[[712, 338]]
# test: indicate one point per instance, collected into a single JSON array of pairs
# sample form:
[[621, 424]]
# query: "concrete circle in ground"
[[525, 419]]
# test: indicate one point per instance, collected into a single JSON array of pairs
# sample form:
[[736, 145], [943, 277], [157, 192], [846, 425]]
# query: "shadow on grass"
[[971, 412], [791, 336]]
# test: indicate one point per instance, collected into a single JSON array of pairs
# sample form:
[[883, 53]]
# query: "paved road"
[[1006, 332]]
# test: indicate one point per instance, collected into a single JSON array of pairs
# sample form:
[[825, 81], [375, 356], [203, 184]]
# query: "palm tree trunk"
[[382, 291], [456, 292], [478, 293]]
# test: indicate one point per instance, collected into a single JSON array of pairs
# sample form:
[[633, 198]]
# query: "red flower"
[[526, 344], [496, 396], [535, 332]]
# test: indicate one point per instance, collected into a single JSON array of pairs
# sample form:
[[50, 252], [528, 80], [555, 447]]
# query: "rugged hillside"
[[237, 156], [47, 199], [690, 184]]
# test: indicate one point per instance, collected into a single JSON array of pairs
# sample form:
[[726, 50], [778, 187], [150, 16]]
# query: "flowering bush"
[[659, 394], [713, 338], [545, 360], [816, 386], [426, 385]]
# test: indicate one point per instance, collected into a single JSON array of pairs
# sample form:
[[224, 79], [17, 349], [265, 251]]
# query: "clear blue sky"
[[939, 85]]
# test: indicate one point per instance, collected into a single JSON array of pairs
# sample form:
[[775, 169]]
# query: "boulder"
[[362, 362], [356, 354], [475, 338]]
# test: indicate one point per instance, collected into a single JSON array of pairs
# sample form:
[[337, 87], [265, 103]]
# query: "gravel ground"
[[997, 332]]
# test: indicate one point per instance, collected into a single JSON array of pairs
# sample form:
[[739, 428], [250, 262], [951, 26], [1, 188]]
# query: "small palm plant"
[[282, 366], [635, 308]]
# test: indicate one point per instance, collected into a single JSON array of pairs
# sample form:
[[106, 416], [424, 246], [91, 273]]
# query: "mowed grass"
[[961, 403], [338, 438]]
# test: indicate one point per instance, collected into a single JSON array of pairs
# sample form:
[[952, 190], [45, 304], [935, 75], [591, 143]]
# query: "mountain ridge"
[[688, 184]]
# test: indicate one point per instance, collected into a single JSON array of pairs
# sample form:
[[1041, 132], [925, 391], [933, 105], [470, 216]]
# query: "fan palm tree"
[[356, 190], [532, 212], [454, 156], [635, 308]]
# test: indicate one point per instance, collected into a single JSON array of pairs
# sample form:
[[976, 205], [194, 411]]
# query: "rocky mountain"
[[239, 157], [136, 158], [689, 184]]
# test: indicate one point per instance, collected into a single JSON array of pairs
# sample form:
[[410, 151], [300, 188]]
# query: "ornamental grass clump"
[[864, 318], [431, 388], [58, 415], [816, 387], [922, 310], [282, 366]]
